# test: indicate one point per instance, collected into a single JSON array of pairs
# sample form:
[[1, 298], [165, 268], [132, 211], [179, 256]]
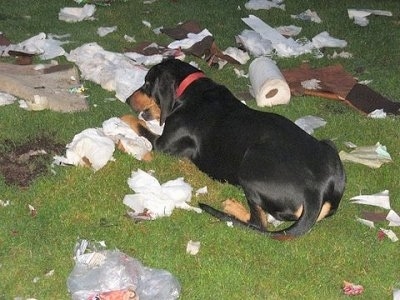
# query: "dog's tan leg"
[[326, 208], [236, 209], [133, 122]]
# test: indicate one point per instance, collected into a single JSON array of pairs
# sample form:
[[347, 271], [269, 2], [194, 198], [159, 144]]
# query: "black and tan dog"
[[283, 170]]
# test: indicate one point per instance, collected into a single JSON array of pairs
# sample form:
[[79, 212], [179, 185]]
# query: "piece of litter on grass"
[[307, 15], [368, 223], [201, 191], [240, 73], [229, 223], [129, 39], [290, 30], [157, 200], [193, 247], [352, 289], [6, 99], [32, 210], [309, 123], [377, 114], [4, 203], [396, 294], [146, 23], [393, 218], [264, 4], [390, 234], [77, 14], [103, 31], [371, 156], [380, 199]]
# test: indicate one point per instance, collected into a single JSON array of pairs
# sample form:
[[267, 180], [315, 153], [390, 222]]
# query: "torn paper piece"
[[153, 125], [240, 73], [379, 199], [312, 84], [121, 133], [201, 191], [4, 203], [284, 47], [46, 46], [360, 15], [377, 114], [307, 15], [89, 148], [393, 218], [396, 294], [113, 71], [254, 43], [342, 54], [390, 234], [155, 200], [146, 23], [77, 14], [290, 30], [371, 156], [368, 223], [264, 4], [192, 247], [103, 31], [129, 39], [6, 99], [146, 60], [309, 123], [192, 38], [239, 55], [323, 40]]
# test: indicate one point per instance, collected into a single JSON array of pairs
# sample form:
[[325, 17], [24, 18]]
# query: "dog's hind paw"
[[236, 209]]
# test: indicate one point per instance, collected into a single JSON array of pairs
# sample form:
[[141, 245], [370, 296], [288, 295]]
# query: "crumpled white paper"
[[94, 147], [113, 71], [6, 99], [287, 47], [264, 4], [360, 15], [77, 14], [103, 31], [157, 200], [46, 46], [308, 15], [192, 38], [239, 55], [309, 123]]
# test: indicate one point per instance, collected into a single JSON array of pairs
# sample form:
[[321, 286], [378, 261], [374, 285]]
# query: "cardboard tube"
[[269, 86]]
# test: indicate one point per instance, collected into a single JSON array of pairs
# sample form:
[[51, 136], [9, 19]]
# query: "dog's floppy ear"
[[164, 93]]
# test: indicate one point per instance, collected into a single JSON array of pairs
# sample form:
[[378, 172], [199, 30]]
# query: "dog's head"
[[157, 97]]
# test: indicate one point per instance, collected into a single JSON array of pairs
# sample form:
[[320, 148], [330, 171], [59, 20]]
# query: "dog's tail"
[[300, 227]]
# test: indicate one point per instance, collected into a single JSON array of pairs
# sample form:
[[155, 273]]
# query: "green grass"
[[232, 263]]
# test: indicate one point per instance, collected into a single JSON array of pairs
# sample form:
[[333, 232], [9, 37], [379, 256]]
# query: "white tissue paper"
[[268, 84], [157, 200], [113, 71], [77, 14]]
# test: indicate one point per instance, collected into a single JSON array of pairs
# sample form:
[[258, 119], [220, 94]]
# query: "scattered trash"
[[360, 15], [77, 14], [371, 156], [380, 199], [289, 31], [309, 123], [94, 147], [103, 31], [377, 114], [153, 200], [352, 289], [6, 99], [192, 247], [267, 83], [32, 210], [307, 15], [201, 191], [106, 274], [113, 71], [4, 203], [264, 4], [324, 39]]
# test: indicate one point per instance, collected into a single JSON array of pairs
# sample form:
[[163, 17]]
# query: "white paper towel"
[[268, 84]]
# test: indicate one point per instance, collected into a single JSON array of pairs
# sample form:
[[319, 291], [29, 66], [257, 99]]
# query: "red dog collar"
[[188, 81]]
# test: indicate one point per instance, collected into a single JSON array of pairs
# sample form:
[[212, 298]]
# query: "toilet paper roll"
[[268, 84]]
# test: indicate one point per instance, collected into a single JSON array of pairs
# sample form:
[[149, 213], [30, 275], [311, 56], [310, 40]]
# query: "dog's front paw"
[[236, 209]]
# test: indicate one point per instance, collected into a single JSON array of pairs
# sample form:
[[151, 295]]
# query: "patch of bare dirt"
[[21, 164]]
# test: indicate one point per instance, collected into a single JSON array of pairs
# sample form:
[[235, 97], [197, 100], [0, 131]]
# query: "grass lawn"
[[75, 202]]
